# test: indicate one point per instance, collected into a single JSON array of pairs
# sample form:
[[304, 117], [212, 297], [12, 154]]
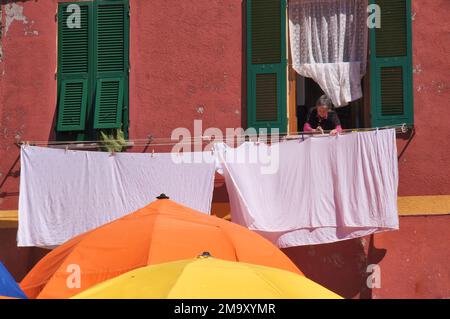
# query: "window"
[[391, 65], [391, 94], [266, 64], [92, 69]]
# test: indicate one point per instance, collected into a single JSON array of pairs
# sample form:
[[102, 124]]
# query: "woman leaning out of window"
[[323, 118]]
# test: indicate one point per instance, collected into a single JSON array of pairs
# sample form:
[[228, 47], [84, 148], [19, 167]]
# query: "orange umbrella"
[[163, 231]]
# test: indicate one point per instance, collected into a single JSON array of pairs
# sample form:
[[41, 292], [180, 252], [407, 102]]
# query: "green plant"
[[113, 140]]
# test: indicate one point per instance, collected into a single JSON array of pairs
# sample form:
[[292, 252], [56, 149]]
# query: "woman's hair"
[[325, 101]]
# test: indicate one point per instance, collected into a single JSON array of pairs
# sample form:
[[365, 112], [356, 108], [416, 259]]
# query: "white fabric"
[[63, 194], [328, 40], [325, 189]]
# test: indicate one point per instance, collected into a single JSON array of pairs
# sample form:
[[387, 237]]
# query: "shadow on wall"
[[18, 261], [341, 267]]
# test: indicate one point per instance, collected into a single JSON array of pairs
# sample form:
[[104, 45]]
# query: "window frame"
[[376, 64], [370, 103], [90, 132], [280, 69]]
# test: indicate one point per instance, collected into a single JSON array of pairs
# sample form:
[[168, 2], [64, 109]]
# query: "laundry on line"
[[324, 189], [66, 193], [300, 192]]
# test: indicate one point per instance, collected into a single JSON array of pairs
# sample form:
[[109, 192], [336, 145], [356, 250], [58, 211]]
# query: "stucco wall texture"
[[188, 62], [425, 166]]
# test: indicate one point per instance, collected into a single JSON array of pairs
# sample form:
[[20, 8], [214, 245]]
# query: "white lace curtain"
[[329, 44]]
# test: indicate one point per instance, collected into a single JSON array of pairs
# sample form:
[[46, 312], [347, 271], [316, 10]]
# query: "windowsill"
[[407, 206], [8, 219]]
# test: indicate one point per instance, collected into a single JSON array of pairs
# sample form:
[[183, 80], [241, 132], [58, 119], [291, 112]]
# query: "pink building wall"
[[187, 62]]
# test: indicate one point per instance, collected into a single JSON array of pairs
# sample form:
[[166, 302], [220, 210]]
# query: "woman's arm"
[[336, 131], [307, 127], [312, 113], [337, 124]]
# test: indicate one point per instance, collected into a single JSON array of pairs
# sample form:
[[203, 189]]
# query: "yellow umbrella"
[[208, 278]]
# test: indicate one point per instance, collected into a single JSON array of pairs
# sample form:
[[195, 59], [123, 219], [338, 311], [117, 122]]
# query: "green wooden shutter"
[[266, 64], [391, 65], [111, 61], [109, 103], [73, 70]]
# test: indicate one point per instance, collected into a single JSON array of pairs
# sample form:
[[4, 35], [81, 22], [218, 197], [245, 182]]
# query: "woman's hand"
[[334, 132]]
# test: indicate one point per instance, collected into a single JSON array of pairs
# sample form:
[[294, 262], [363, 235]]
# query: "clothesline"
[[263, 194], [168, 141]]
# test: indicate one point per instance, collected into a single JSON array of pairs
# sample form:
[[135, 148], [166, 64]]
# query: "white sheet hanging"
[[66, 193], [325, 189], [328, 40]]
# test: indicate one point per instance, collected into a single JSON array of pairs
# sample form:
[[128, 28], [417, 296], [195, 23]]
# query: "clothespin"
[[376, 133], [153, 153], [66, 148], [404, 128], [257, 141], [112, 153], [303, 136]]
